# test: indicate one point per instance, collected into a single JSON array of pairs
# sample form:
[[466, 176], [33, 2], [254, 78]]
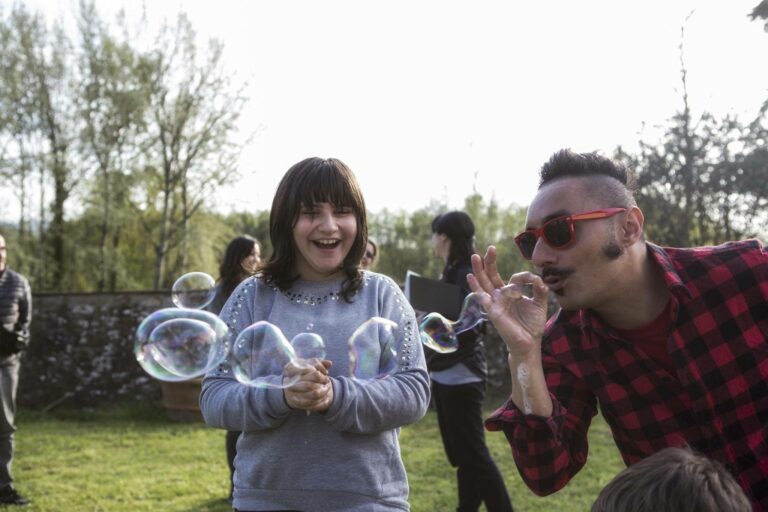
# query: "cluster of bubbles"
[[261, 351], [181, 343], [185, 342], [441, 335]]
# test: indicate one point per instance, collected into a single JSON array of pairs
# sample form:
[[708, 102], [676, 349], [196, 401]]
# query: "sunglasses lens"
[[557, 232], [526, 242]]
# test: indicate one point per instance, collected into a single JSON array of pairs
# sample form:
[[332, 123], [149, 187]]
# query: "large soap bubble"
[[259, 354], [194, 290], [441, 335], [373, 349], [178, 344]]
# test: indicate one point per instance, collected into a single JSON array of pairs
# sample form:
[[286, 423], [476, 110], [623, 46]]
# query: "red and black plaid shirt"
[[716, 401]]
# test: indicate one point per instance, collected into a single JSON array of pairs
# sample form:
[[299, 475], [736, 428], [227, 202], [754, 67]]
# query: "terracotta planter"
[[181, 400]]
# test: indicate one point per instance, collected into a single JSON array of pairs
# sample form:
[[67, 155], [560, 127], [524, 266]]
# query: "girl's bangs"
[[327, 187]]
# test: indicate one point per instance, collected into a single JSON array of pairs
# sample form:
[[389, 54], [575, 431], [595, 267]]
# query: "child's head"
[[309, 187], [370, 256], [241, 259], [453, 236], [671, 480], [243, 254]]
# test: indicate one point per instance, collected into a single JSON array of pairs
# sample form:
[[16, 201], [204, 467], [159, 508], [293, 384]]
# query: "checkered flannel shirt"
[[717, 402]]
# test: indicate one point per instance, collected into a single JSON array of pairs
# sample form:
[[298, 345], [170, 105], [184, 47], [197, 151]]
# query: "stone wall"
[[81, 351]]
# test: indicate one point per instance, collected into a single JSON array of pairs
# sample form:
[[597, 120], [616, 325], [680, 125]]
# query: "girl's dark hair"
[[231, 271], [311, 181], [460, 230]]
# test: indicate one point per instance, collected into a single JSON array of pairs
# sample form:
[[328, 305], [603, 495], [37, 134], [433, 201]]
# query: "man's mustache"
[[560, 273]]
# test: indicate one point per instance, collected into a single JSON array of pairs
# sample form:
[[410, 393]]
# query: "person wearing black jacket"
[[15, 313], [458, 381], [241, 260]]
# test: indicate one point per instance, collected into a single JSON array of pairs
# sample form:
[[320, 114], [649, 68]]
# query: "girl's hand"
[[518, 319], [313, 391]]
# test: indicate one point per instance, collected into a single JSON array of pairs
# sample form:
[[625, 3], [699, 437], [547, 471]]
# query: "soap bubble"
[[437, 334], [308, 345], [373, 349], [441, 335], [472, 313], [194, 290], [178, 344], [259, 355]]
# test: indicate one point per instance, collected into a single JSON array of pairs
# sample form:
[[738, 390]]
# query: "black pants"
[[460, 417], [232, 436]]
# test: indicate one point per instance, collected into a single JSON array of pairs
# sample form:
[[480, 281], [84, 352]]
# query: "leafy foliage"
[[113, 150]]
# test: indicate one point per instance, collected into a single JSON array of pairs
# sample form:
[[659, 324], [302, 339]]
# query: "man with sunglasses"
[[670, 343]]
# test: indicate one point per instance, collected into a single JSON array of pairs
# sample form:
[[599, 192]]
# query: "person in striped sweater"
[[15, 313]]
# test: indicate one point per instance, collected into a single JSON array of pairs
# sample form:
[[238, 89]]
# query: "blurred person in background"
[[241, 260], [458, 380], [15, 314], [370, 256]]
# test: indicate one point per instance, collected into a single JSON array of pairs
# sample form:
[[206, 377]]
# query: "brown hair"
[[231, 271], [311, 181], [671, 480]]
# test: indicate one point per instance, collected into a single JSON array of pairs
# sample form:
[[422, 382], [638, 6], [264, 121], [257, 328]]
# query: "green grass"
[[132, 458]]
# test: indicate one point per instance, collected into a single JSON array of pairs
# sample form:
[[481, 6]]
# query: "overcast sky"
[[426, 99]]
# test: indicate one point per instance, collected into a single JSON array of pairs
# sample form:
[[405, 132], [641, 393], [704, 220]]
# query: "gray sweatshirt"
[[347, 459]]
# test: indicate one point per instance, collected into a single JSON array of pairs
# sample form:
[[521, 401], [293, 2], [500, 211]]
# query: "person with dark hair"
[[674, 479], [670, 343], [370, 255], [458, 381], [15, 315], [241, 260], [329, 441]]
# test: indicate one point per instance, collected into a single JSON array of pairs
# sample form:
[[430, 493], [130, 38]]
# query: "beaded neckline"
[[317, 293], [310, 300]]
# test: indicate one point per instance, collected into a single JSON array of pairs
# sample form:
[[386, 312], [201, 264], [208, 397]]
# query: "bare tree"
[[194, 114]]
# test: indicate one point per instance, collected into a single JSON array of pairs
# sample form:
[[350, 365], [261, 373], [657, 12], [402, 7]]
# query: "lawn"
[[132, 458]]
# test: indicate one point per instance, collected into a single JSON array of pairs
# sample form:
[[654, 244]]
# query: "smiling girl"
[[328, 442]]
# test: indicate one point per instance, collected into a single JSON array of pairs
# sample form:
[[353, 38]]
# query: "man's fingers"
[[484, 299], [474, 285], [478, 272], [510, 292], [539, 290], [490, 267]]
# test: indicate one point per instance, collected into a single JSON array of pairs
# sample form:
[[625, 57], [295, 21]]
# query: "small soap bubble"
[[373, 349], [194, 290], [259, 354], [310, 327], [437, 334], [441, 335], [472, 313], [178, 344], [308, 345]]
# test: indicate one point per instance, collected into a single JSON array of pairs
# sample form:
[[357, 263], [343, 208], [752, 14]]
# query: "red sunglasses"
[[559, 232]]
